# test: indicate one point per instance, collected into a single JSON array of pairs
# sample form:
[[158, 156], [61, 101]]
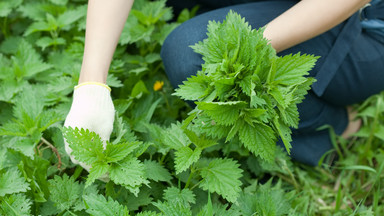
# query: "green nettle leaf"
[[129, 172], [45, 42], [33, 10], [27, 62], [222, 176], [23, 145], [173, 209], [156, 134], [292, 69], [113, 81], [28, 105], [15, 205], [38, 26], [379, 133], [244, 85], [122, 131], [165, 30], [149, 213], [290, 116], [259, 139], [70, 16], [218, 209], [65, 192], [200, 141], [185, 157], [134, 31], [97, 170], [208, 126], [156, 172], [99, 205], [59, 2], [31, 119], [6, 7], [193, 89], [87, 146], [48, 118], [9, 88], [152, 12], [144, 198], [285, 133], [183, 197], [224, 113], [11, 182], [139, 89], [117, 152], [13, 128], [247, 85], [175, 138], [3, 157], [267, 200]]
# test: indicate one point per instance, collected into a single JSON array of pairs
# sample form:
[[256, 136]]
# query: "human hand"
[[92, 108]]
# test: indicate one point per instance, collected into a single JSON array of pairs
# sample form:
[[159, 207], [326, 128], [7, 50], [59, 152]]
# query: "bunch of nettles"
[[244, 91]]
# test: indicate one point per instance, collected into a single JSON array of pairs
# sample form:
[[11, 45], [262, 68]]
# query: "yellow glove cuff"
[[93, 83]]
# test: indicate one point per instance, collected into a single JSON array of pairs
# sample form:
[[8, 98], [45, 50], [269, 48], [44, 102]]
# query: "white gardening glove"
[[92, 108]]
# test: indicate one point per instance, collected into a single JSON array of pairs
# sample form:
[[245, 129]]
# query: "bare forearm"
[[308, 19], [105, 21]]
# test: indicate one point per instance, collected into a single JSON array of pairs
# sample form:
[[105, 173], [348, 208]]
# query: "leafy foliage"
[[97, 204], [116, 160], [64, 192], [246, 88], [222, 176], [12, 182], [265, 200], [163, 158], [16, 204]]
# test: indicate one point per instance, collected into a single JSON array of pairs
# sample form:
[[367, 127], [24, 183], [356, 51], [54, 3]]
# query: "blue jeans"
[[358, 75]]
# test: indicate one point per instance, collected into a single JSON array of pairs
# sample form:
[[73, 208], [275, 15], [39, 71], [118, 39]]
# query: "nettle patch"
[[164, 157], [246, 96]]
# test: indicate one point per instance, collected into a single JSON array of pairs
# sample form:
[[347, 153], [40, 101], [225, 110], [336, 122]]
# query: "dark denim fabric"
[[360, 74]]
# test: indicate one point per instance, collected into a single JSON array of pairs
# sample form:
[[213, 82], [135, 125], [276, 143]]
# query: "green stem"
[[78, 171], [157, 68], [295, 184], [110, 189], [54, 149], [193, 187], [166, 101], [162, 159], [372, 132], [189, 178], [5, 27]]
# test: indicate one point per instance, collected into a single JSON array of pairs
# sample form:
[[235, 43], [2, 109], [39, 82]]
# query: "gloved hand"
[[92, 108]]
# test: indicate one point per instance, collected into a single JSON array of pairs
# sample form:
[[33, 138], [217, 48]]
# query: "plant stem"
[[378, 105], [193, 187], [77, 172], [166, 100], [4, 28], [162, 159], [54, 149], [189, 178], [292, 176]]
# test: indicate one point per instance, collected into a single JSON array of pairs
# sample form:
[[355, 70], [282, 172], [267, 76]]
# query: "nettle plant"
[[244, 90], [245, 94]]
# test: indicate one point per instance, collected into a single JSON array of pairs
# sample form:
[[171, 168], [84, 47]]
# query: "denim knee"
[[179, 59]]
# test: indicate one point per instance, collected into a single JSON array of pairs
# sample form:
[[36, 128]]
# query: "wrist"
[[92, 78], [92, 74]]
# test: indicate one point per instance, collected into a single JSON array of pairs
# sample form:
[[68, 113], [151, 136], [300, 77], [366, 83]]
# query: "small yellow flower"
[[158, 85]]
